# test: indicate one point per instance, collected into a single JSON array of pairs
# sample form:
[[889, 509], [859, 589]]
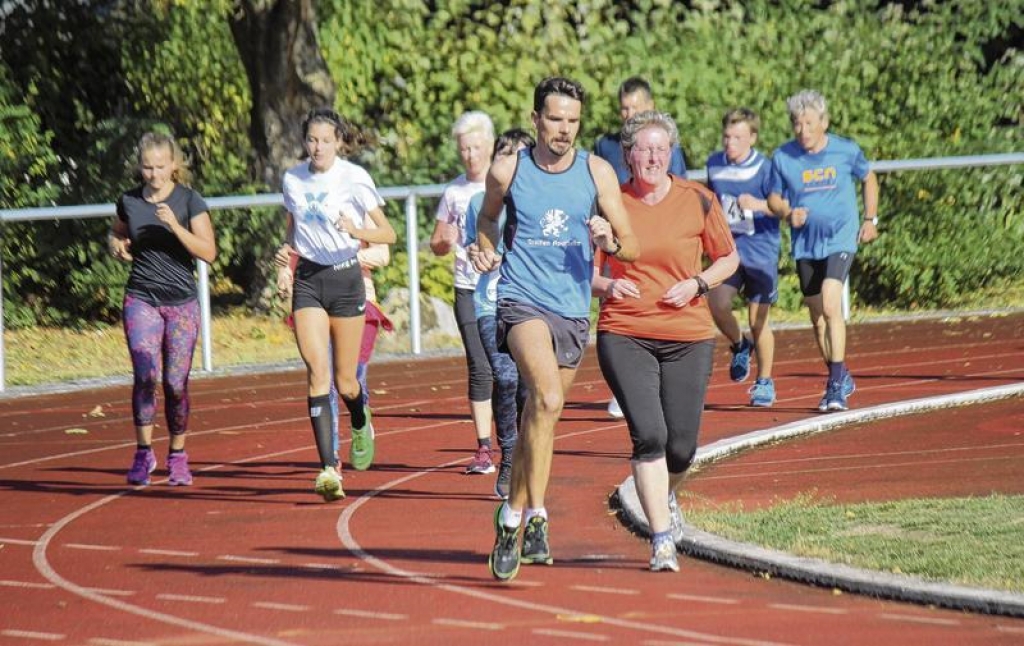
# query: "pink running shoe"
[[142, 465], [177, 464], [482, 462]]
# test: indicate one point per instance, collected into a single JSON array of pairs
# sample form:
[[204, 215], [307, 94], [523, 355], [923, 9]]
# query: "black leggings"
[[660, 386], [481, 380]]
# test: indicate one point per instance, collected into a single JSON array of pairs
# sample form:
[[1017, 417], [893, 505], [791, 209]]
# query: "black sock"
[[173, 451], [484, 442], [356, 410], [320, 418], [143, 447]]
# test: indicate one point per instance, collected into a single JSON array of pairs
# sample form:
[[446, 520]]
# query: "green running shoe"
[[504, 559], [328, 484], [535, 542], [360, 452]]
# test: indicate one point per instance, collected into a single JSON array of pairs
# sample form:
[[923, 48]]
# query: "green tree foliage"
[[905, 80]]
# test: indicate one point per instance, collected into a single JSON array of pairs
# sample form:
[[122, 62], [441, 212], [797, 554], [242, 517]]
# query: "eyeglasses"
[[647, 152]]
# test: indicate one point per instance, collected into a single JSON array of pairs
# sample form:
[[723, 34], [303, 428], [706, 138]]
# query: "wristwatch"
[[874, 220]]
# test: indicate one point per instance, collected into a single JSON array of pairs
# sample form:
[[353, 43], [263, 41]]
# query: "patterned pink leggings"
[[170, 333]]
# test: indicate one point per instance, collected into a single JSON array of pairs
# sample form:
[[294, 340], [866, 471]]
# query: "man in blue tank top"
[[551, 193]]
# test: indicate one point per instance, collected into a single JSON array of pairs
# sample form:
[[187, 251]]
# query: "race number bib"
[[741, 221]]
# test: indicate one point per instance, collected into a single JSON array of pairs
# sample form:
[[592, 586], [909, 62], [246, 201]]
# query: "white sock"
[[511, 517]]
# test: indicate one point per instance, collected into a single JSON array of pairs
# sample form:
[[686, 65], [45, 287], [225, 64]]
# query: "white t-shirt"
[[452, 210], [316, 202]]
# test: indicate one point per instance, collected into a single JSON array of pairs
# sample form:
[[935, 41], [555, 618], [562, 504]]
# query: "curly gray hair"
[[647, 119]]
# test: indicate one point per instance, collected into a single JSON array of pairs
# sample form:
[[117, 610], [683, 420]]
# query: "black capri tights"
[[660, 386], [481, 380]]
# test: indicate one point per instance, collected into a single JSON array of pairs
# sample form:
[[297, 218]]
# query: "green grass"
[[969, 541]]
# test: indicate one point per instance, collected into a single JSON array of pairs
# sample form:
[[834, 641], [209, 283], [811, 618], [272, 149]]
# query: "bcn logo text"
[[816, 175]]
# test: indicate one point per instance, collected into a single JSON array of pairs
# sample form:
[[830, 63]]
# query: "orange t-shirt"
[[675, 235]]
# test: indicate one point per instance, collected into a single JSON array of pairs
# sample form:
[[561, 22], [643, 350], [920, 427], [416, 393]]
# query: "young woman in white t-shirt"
[[329, 200]]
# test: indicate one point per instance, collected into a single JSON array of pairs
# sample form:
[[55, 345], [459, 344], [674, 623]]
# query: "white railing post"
[[204, 314], [412, 250]]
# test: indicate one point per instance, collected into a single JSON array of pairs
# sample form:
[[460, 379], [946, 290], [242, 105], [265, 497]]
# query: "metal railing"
[[409, 194]]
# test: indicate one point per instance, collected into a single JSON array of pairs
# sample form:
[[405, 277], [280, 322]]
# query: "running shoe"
[[360, 451], [663, 557], [614, 410], [834, 399], [849, 385], [177, 464], [535, 542], [504, 482], [739, 368], [762, 393], [481, 462], [143, 464], [675, 517], [504, 559], [328, 484]]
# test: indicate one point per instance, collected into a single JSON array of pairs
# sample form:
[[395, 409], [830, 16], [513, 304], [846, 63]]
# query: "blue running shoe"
[[762, 393], [739, 369], [835, 398], [849, 386]]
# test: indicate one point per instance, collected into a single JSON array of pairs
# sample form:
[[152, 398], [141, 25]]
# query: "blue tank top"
[[548, 259]]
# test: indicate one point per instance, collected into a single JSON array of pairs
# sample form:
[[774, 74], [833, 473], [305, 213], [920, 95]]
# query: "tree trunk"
[[277, 42]]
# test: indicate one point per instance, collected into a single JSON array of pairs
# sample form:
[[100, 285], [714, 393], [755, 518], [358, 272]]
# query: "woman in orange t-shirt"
[[655, 334]]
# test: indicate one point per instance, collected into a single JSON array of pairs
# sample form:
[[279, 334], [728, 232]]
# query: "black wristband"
[[702, 286]]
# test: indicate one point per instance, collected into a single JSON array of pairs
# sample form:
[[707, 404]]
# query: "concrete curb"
[[823, 573]]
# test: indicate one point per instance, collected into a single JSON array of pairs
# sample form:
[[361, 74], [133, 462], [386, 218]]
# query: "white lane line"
[[1013, 630], [286, 607], [460, 623], [26, 584], [701, 599], [31, 634], [658, 642], [604, 590], [934, 621], [94, 548], [112, 593], [569, 634], [349, 542], [16, 541], [798, 608], [321, 566], [156, 552], [370, 614], [247, 559], [103, 641], [190, 598]]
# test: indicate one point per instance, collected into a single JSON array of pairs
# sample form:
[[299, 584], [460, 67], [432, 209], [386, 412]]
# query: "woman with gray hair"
[[813, 188], [473, 133], [655, 334]]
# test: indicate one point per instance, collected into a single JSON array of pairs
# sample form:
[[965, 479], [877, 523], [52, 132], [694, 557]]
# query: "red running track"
[[250, 555]]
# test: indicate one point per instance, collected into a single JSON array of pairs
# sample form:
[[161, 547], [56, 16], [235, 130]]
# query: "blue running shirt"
[[822, 183], [759, 245], [548, 259]]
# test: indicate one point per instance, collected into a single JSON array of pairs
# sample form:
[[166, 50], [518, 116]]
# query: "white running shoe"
[[614, 410]]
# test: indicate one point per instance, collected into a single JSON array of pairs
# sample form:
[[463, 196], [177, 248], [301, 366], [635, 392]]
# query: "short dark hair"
[[635, 84], [556, 85], [512, 139], [742, 115]]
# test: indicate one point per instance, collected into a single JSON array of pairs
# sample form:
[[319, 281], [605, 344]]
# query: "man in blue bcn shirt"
[[813, 189]]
